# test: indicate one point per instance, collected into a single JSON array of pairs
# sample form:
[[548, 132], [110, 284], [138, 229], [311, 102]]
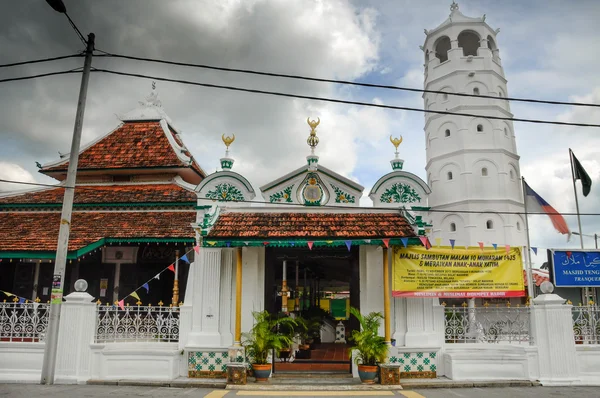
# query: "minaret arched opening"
[[441, 47], [469, 42]]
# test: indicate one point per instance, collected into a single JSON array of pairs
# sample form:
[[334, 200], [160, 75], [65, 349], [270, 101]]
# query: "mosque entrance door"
[[318, 286]]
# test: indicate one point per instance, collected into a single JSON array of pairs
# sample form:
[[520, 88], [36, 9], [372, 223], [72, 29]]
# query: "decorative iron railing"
[[23, 322], [586, 324], [487, 324], [137, 323]]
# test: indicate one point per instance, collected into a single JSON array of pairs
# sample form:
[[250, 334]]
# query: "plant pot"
[[284, 354], [303, 353], [262, 372], [367, 374]]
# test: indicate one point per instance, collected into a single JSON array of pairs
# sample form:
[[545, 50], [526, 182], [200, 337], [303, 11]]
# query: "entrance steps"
[[286, 376]]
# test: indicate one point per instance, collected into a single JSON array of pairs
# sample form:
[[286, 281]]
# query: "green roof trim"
[[74, 254], [100, 204], [222, 242]]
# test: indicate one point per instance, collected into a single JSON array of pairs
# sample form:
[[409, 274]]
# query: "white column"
[[253, 285], [116, 282], [371, 280], [399, 321], [76, 333], [553, 335], [227, 297], [422, 322], [36, 278], [205, 300]]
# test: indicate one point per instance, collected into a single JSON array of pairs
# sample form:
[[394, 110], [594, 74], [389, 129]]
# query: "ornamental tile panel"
[[207, 363], [87, 194], [310, 225], [416, 362], [132, 145], [38, 231]]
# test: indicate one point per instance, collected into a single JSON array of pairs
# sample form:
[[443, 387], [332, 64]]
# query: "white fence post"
[[554, 340], [77, 328]]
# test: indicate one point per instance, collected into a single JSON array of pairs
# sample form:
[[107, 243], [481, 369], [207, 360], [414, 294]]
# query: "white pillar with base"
[[77, 329], [205, 297], [553, 335]]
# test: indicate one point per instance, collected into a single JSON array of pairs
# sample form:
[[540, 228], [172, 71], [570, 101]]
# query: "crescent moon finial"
[[396, 141], [228, 140]]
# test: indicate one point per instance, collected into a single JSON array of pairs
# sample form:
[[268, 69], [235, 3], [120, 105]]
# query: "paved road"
[[33, 390]]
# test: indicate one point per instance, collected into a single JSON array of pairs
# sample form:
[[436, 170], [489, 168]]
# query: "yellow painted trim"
[[216, 394], [387, 293], [238, 297], [316, 393], [411, 394]]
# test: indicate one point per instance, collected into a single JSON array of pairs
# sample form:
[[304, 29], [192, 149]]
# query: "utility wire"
[[37, 61], [340, 101], [65, 72], [83, 40], [93, 187], [346, 82]]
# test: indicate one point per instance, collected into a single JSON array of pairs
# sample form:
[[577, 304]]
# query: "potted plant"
[[369, 348], [262, 339]]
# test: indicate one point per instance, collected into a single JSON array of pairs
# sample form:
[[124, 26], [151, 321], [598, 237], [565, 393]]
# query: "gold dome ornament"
[[227, 162], [313, 140], [396, 162]]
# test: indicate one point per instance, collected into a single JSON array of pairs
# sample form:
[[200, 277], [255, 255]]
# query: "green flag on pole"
[[580, 174]]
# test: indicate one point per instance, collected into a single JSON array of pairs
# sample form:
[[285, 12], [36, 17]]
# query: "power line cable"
[[65, 72], [37, 61], [340, 101], [92, 187], [346, 82]]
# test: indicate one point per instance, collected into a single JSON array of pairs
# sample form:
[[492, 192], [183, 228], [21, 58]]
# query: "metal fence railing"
[[487, 324], [586, 324], [23, 322], [137, 323]]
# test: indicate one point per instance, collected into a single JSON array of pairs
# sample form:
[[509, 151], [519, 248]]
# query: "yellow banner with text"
[[457, 273]]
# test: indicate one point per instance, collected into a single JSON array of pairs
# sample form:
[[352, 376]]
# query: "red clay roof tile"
[[132, 145], [39, 231], [146, 193], [311, 225]]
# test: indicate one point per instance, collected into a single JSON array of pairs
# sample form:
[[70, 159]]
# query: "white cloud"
[[13, 172]]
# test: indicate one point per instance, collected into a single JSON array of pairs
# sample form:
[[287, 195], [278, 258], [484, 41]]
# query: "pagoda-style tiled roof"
[[231, 225], [38, 231], [133, 145], [91, 194]]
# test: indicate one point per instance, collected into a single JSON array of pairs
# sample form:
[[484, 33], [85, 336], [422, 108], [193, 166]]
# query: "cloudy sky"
[[548, 50]]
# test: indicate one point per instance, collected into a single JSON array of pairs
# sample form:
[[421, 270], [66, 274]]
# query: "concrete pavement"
[[93, 391]]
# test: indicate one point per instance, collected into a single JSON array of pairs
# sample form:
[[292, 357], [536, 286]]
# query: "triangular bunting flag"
[[348, 244], [228, 244], [292, 244], [184, 258], [467, 247], [386, 242], [145, 286], [310, 244], [507, 247], [438, 242], [9, 294], [404, 241], [135, 295], [424, 241], [246, 243], [569, 254], [21, 300], [157, 276], [171, 268], [122, 304], [452, 242], [265, 243], [480, 245], [367, 241], [534, 250], [495, 246], [329, 242], [197, 249], [212, 243]]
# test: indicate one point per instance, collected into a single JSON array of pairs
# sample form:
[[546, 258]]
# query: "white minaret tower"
[[472, 162]]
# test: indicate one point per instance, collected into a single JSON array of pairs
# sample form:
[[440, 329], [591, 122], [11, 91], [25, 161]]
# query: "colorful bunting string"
[[348, 244], [452, 242], [404, 241], [386, 242], [534, 250]]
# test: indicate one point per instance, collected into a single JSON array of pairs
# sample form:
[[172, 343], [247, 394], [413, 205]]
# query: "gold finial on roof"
[[228, 140], [396, 142], [313, 140]]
